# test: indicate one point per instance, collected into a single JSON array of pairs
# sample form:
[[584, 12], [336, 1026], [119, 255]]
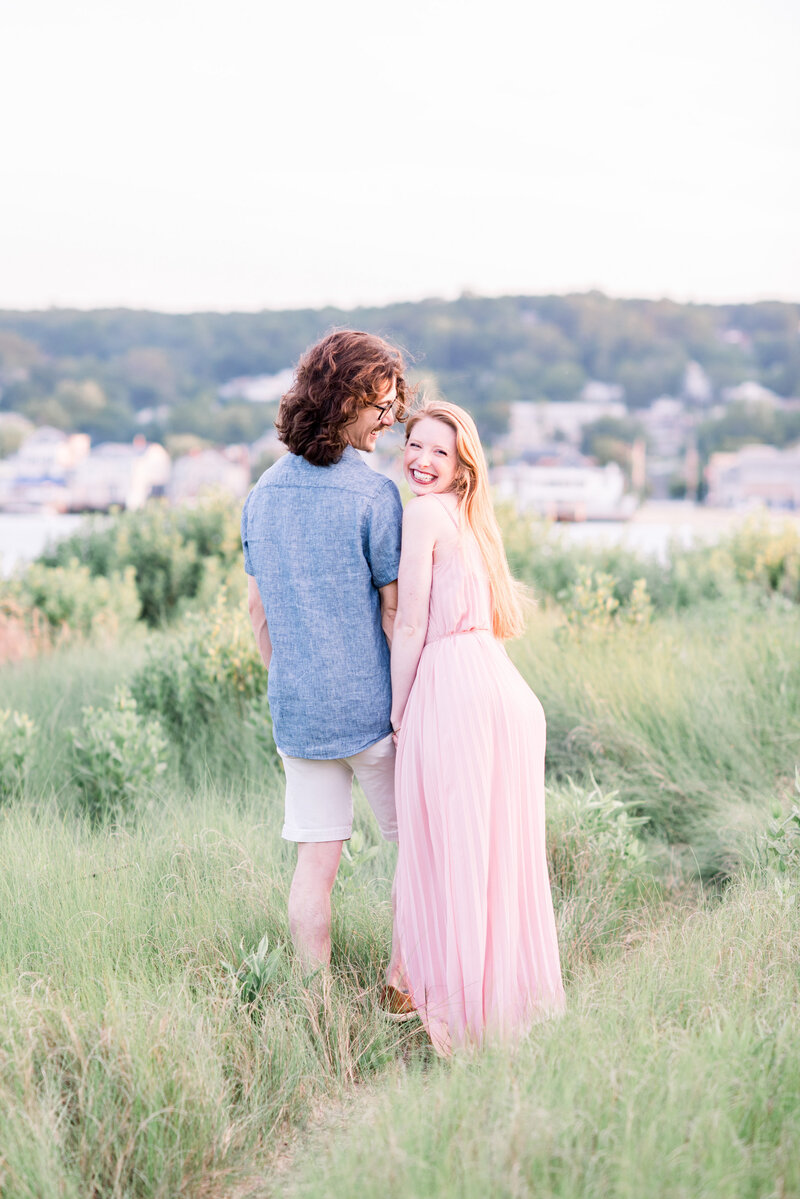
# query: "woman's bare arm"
[[421, 526]]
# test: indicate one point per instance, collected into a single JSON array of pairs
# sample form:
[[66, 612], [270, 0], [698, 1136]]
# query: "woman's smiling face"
[[430, 462]]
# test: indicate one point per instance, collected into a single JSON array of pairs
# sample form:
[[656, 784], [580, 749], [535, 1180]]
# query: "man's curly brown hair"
[[335, 379]]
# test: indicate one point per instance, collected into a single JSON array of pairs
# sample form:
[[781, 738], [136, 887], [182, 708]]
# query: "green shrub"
[[257, 971], [169, 550], [755, 557], [117, 757], [590, 605], [69, 598], [780, 844], [167, 566], [599, 829], [767, 557], [17, 732], [206, 682], [213, 526], [356, 855], [697, 715], [599, 869]]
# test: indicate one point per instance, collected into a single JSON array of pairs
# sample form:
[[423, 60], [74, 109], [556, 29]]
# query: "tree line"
[[112, 373]]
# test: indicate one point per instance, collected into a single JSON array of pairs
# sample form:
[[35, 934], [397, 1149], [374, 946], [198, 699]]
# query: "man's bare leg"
[[310, 901]]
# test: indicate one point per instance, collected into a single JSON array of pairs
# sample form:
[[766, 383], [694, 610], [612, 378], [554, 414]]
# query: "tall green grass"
[[52, 690], [695, 720], [142, 1054], [131, 1064], [674, 1072]]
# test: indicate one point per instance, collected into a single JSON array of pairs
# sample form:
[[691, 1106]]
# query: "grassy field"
[[148, 1047]]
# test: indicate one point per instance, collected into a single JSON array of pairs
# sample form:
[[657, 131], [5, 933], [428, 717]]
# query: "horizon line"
[[465, 294]]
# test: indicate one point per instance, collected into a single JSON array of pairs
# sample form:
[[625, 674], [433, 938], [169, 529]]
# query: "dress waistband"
[[457, 633]]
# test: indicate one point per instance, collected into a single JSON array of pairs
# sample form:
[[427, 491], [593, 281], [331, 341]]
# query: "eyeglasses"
[[382, 408]]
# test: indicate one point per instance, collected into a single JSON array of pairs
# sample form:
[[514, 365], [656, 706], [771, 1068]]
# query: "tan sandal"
[[397, 1005]]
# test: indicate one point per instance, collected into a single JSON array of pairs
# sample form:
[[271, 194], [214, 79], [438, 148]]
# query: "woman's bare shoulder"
[[424, 510]]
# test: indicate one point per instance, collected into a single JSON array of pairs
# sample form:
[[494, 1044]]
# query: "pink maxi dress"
[[474, 925]]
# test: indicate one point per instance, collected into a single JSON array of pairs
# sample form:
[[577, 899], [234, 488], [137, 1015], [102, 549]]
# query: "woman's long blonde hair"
[[471, 485]]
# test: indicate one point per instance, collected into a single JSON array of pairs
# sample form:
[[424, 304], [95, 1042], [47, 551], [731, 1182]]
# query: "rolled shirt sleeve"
[[384, 522]]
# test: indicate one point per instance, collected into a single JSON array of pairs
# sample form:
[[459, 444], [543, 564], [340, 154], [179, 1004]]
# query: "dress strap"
[[447, 510]]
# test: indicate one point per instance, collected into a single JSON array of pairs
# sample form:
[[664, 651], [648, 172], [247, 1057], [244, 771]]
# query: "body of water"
[[24, 536], [653, 528]]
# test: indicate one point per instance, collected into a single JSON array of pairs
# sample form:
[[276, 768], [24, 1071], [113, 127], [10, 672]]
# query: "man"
[[321, 537]]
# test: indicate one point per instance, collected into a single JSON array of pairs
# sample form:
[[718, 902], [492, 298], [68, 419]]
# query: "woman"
[[476, 946]]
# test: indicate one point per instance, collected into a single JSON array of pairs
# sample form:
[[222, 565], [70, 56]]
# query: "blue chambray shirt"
[[320, 541]]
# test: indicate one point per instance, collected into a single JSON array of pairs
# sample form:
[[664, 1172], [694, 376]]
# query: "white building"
[[751, 392], [756, 474], [204, 471], [697, 386], [668, 425], [37, 475], [119, 475], [565, 490], [268, 447], [595, 392]]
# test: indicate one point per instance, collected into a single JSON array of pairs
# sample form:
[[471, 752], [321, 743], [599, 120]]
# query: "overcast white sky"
[[242, 155]]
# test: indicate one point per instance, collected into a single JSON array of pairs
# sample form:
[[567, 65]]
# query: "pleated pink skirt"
[[475, 931]]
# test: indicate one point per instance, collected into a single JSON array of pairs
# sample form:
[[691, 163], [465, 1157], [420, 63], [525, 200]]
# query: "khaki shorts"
[[319, 793]]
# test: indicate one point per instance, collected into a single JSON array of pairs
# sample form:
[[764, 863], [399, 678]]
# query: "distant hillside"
[[112, 373]]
